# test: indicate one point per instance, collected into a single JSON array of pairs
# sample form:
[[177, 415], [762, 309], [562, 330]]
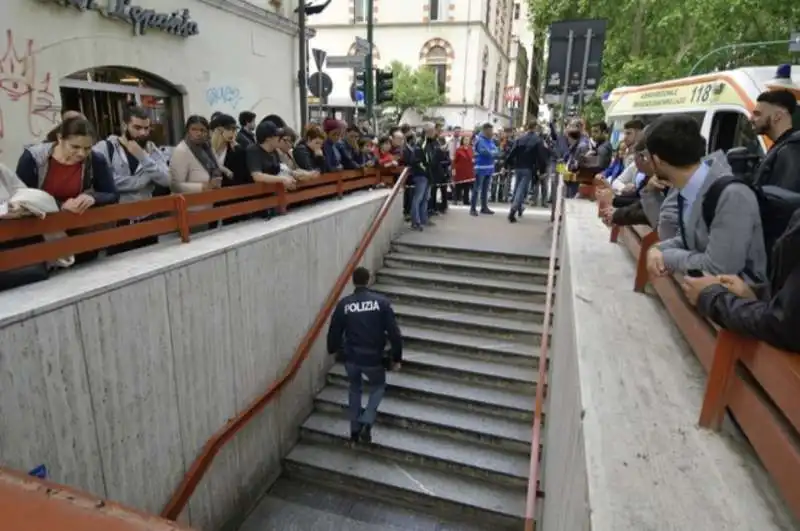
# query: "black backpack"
[[776, 206]]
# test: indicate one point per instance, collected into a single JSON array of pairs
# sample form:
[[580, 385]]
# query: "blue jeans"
[[522, 185], [376, 377], [481, 186], [419, 201]]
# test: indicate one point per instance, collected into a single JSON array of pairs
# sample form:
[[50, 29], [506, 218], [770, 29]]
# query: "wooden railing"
[[98, 227], [201, 464], [758, 384], [534, 491]]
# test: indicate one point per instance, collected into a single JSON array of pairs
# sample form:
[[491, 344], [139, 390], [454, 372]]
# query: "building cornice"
[[407, 25], [259, 15]]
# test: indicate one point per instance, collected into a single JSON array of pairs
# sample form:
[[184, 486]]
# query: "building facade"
[[173, 57], [467, 43]]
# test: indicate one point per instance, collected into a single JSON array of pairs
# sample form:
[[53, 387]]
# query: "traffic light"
[[384, 86], [361, 81]]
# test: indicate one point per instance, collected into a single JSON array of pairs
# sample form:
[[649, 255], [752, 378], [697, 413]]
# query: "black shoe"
[[511, 217], [354, 435], [473, 212], [487, 211], [417, 228], [366, 433]]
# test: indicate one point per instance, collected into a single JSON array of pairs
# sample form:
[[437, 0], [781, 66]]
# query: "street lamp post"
[[796, 40]]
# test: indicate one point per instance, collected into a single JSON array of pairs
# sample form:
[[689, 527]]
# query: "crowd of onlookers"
[[729, 227]]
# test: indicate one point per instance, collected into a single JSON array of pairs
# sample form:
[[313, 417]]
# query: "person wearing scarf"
[[194, 166]]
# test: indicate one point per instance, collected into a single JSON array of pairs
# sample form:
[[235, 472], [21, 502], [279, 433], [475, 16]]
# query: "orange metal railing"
[[201, 464], [533, 475]]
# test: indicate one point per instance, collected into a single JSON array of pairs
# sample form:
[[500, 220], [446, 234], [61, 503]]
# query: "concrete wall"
[[623, 451], [566, 504], [114, 375], [50, 41]]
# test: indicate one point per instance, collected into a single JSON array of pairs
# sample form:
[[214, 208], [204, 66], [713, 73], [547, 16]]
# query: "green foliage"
[[649, 41], [414, 89]]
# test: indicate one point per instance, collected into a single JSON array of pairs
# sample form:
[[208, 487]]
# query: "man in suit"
[[734, 242]]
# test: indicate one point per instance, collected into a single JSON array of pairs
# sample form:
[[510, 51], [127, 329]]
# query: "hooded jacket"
[[486, 151], [97, 179], [138, 184]]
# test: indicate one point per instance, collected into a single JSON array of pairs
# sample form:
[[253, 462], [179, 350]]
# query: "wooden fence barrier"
[[98, 227]]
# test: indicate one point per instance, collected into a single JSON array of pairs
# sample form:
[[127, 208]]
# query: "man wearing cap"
[[263, 160]]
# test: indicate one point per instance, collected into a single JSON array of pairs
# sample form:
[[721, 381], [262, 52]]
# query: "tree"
[[414, 89], [648, 41]]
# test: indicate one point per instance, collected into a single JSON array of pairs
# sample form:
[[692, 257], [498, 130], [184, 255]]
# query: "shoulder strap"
[[110, 148], [712, 196]]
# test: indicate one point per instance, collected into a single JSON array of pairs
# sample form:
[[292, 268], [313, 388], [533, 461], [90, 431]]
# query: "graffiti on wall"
[[25, 89], [224, 95]]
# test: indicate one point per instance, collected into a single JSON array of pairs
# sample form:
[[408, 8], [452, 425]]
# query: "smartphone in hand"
[[695, 273]]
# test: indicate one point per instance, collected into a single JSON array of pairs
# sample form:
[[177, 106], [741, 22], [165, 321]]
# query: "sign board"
[[558, 80], [319, 58], [794, 45], [176, 22], [355, 62], [320, 84], [362, 46]]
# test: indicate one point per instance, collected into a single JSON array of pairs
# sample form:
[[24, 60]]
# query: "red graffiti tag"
[[23, 85]]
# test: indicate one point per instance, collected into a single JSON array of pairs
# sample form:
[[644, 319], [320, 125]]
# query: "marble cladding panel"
[[128, 348], [46, 415], [563, 469], [117, 393], [205, 370]]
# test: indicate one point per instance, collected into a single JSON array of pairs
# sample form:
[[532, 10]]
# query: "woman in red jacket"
[[464, 171]]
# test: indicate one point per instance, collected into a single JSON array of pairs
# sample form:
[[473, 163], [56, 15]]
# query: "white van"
[[721, 102]]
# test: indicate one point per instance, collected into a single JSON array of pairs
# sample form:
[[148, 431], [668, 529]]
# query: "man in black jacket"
[[529, 158], [773, 117], [358, 331], [768, 312]]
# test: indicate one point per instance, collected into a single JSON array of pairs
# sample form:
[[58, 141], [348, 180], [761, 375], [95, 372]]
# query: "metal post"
[[566, 78], [319, 86], [369, 93], [586, 51], [303, 73]]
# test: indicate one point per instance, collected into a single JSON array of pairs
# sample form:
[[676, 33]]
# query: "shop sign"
[[142, 19]]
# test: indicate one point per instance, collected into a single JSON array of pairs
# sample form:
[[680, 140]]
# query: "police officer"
[[359, 328]]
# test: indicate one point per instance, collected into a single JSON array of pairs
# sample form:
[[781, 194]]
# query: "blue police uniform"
[[359, 328]]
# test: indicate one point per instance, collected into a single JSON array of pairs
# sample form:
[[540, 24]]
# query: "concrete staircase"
[[452, 442]]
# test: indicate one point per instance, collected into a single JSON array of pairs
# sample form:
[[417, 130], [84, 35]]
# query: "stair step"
[[442, 492], [436, 451], [498, 374], [470, 324], [363, 509], [464, 395], [483, 268], [410, 413], [526, 291], [406, 247], [431, 340], [273, 514], [466, 302]]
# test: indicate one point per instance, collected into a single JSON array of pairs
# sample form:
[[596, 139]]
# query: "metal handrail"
[[210, 450], [533, 475]]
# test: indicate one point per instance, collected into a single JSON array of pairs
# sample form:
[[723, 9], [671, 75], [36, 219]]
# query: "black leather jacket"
[[774, 317]]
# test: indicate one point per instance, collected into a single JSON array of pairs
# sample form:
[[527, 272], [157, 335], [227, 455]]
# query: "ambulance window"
[[730, 129], [647, 119]]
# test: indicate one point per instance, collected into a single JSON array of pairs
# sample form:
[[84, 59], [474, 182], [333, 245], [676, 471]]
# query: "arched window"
[[436, 60]]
